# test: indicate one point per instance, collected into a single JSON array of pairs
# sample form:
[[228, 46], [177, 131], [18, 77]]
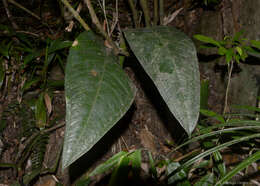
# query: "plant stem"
[[161, 11], [9, 15], [146, 11], [96, 21], [24, 9], [155, 12], [76, 15], [134, 12], [230, 69]]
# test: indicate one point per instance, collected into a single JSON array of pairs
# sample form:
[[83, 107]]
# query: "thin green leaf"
[[222, 51], [136, 160], [220, 163], [29, 83], [217, 148], [120, 173], [206, 180], [207, 39], [212, 114], [215, 133], [32, 56], [231, 124], [239, 50], [238, 168], [152, 165], [58, 45], [109, 164], [180, 175], [251, 108], [255, 44]]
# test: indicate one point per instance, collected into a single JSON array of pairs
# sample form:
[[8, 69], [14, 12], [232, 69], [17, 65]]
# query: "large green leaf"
[[169, 57], [98, 93]]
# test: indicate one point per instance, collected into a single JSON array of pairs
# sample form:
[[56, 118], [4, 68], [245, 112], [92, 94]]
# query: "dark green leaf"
[[32, 56], [58, 45], [169, 57], [98, 93]]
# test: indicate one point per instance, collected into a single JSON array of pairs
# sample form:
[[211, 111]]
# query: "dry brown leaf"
[[48, 104]]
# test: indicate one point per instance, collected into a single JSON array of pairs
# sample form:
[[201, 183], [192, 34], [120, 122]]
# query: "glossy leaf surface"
[[98, 93], [169, 57]]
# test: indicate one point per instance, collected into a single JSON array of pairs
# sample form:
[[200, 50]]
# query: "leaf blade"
[[98, 93], [169, 57]]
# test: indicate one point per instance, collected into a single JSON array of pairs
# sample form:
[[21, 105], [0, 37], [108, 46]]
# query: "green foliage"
[[26, 62], [104, 93], [98, 93], [234, 48], [171, 63], [121, 165], [209, 161]]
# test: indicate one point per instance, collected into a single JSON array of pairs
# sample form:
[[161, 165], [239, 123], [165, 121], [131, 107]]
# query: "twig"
[[134, 12], [161, 11], [155, 12], [230, 69], [29, 33], [146, 12], [96, 21], [115, 20], [103, 7], [24, 9], [71, 23], [76, 15], [171, 17], [9, 15]]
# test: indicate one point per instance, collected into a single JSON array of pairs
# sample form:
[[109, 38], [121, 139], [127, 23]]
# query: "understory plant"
[[235, 49], [98, 94]]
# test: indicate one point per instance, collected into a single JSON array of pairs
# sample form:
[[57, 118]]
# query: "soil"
[[146, 125]]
